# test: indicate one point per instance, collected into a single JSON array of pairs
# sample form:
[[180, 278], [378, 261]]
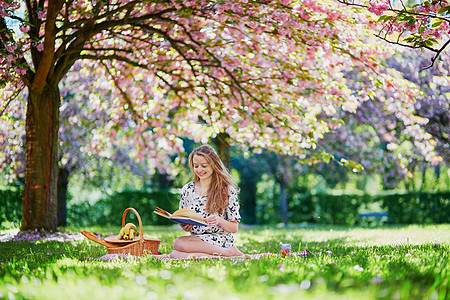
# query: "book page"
[[187, 213], [163, 213]]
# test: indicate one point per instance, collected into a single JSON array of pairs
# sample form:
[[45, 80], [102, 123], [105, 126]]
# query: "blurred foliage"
[[11, 205], [417, 207], [326, 209], [109, 210]]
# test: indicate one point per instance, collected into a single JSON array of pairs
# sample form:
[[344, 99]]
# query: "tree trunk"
[[41, 175], [223, 148], [162, 181], [284, 201], [63, 182], [247, 196]]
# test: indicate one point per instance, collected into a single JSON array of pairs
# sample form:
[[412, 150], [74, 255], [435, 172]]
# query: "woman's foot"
[[233, 251]]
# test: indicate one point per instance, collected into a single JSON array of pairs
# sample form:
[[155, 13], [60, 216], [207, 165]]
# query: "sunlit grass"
[[409, 262]]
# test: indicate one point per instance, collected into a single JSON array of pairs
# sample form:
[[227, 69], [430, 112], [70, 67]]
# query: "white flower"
[[358, 268]]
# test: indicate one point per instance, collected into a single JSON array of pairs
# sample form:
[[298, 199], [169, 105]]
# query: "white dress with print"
[[214, 235]]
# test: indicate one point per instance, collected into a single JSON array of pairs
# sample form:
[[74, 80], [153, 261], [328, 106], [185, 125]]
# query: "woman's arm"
[[229, 226]]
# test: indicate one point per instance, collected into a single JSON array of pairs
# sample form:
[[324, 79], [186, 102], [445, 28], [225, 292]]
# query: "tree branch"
[[78, 39], [46, 62], [11, 98], [433, 60]]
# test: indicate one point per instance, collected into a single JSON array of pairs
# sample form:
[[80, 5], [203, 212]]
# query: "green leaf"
[[384, 18], [444, 10], [404, 17], [355, 167], [429, 43], [410, 39], [437, 23]]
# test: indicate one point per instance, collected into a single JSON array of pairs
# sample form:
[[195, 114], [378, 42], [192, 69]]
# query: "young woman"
[[213, 195]]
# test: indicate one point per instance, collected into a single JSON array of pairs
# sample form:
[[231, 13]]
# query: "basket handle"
[[141, 236]]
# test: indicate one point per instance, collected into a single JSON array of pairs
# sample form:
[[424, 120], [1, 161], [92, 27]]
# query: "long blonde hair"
[[217, 196]]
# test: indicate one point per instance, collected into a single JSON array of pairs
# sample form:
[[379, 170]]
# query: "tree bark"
[[41, 175], [63, 182], [223, 148]]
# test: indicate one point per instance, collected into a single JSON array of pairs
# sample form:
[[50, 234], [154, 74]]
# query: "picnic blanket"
[[163, 257]]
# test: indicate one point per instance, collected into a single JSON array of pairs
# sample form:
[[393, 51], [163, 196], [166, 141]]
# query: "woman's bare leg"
[[179, 254], [192, 244]]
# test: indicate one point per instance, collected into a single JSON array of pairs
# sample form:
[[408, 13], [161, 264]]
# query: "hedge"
[[109, 210], [417, 207], [407, 208]]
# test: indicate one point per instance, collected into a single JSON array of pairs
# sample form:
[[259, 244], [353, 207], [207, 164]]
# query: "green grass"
[[404, 262]]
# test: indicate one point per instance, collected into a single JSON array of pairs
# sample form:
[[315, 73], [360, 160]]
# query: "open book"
[[183, 216]]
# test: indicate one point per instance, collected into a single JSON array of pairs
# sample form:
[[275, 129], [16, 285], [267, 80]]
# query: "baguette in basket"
[[137, 246]]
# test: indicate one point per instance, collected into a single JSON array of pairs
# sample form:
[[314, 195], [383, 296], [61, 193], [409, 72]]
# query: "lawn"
[[404, 262]]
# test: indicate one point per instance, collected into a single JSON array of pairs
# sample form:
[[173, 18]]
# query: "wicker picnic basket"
[[143, 246]]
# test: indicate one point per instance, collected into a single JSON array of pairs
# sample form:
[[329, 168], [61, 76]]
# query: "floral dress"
[[214, 235]]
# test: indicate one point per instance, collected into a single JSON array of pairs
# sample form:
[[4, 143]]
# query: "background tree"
[[260, 71], [250, 167]]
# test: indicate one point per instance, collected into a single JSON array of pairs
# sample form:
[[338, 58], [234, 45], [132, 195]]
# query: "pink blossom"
[[281, 16], [413, 27], [42, 14], [222, 18], [189, 3], [237, 9], [283, 31], [378, 7], [40, 47], [437, 34], [252, 24], [24, 28], [444, 26], [11, 48]]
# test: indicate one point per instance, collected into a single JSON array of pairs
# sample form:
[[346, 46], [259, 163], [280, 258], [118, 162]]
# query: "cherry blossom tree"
[[267, 73], [382, 142], [424, 25], [435, 104]]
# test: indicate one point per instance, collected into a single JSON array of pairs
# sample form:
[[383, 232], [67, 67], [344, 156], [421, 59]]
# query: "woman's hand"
[[229, 226], [187, 227], [214, 220]]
